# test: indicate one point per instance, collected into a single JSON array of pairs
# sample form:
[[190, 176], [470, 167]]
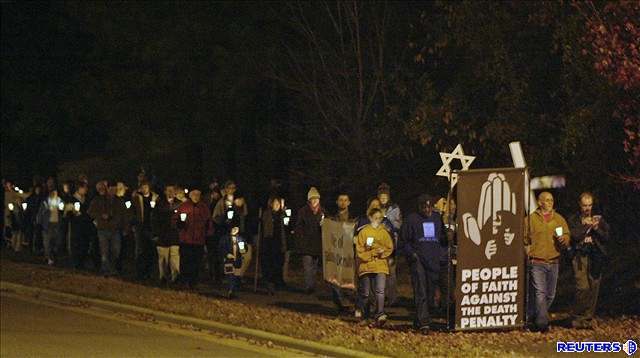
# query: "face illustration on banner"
[[496, 201]]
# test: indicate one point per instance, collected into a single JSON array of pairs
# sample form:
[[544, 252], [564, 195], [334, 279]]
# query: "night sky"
[[338, 95]]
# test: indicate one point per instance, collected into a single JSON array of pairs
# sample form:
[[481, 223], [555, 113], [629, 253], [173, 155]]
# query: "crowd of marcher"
[[169, 234]]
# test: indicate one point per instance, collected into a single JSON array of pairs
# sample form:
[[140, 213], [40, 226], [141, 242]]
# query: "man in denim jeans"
[[547, 234], [108, 214]]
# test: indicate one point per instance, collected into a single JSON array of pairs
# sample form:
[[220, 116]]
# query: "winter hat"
[[313, 193]]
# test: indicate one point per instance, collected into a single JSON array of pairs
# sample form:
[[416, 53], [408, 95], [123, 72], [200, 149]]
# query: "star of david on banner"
[[445, 170]]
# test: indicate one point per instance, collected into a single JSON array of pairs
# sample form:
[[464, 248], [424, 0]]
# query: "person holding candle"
[[275, 226], [420, 238], [193, 220], [547, 235], [49, 217], [589, 235], [373, 248], [232, 248], [81, 226], [166, 237], [144, 201]]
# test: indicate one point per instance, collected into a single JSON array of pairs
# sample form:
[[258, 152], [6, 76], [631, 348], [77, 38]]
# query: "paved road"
[[32, 329]]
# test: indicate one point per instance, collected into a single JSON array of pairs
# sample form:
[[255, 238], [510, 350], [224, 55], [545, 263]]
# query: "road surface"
[[30, 328]]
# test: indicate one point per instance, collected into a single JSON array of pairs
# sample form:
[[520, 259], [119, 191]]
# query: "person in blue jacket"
[[420, 238]]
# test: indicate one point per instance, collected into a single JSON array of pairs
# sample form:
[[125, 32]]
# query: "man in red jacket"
[[193, 220]]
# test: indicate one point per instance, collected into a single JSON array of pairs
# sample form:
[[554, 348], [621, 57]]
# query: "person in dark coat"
[[109, 215], [589, 235], [82, 228], [193, 221], [232, 247], [273, 241], [308, 234], [420, 239], [165, 235]]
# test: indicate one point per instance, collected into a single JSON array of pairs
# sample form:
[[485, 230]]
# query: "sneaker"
[[231, 294], [424, 330], [381, 320], [357, 313], [50, 262]]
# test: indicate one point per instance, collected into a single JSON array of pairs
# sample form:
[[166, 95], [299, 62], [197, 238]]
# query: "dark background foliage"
[[339, 95]]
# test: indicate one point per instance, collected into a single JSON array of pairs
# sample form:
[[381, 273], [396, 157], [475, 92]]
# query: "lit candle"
[[61, 205], [76, 206], [127, 204], [24, 206], [559, 231], [370, 241], [288, 211], [286, 220], [153, 204], [10, 206], [183, 217], [186, 191], [230, 214]]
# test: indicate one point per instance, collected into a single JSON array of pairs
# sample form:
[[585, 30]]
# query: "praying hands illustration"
[[495, 197]]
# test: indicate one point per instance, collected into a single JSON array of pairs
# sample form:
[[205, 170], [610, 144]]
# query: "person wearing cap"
[[193, 221], [144, 201], [547, 234], [393, 214], [420, 239], [308, 234]]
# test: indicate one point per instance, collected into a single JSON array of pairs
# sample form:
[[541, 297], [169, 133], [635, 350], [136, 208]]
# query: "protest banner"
[[491, 272], [337, 253]]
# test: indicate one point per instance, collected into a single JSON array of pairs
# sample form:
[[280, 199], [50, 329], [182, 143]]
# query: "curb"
[[295, 343]]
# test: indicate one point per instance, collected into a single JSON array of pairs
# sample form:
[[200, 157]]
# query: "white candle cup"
[[186, 191], [61, 205], [20, 191], [10, 206], [24, 206], [241, 245], [286, 220], [183, 217], [370, 241], [76, 206], [230, 214], [559, 231], [288, 212], [152, 204], [127, 204]]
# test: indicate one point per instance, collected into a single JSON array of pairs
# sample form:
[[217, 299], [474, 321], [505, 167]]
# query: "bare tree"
[[337, 60]]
